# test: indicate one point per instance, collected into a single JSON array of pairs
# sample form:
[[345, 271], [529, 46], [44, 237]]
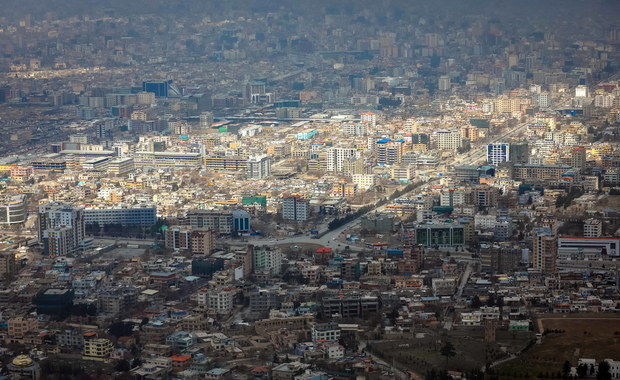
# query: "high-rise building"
[[369, 118], [259, 167], [337, 156], [206, 120], [389, 152], [544, 250], [498, 153], [7, 264], [61, 228], [578, 158], [295, 208], [444, 83]]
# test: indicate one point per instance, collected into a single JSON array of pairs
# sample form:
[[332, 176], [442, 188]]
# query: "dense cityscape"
[[261, 189]]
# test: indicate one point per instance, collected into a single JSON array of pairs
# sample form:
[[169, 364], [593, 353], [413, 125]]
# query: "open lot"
[[421, 355], [592, 336]]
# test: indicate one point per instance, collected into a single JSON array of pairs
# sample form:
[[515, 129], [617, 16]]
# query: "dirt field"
[[587, 337]]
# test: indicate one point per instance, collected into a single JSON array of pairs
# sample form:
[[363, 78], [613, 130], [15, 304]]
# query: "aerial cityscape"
[[254, 189]]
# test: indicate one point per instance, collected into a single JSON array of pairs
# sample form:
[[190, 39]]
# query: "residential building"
[[544, 250], [61, 228], [295, 208]]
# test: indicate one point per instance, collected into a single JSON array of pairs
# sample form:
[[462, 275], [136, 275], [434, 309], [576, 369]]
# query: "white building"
[[592, 228], [337, 156], [498, 153], [221, 300], [448, 139], [259, 167]]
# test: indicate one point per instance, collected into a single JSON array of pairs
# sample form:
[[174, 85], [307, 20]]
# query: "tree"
[[448, 351], [122, 365], [566, 367], [475, 302], [603, 371], [491, 300], [120, 329]]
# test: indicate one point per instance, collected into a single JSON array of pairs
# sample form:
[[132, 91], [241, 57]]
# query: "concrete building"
[[592, 228], [259, 167], [440, 235], [448, 139], [295, 208], [325, 332], [219, 221], [266, 258], [144, 215], [7, 264], [498, 153], [544, 250], [337, 156], [61, 228], [13, 210], [97, 348]]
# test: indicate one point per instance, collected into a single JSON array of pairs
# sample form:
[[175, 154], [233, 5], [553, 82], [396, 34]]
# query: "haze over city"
[[254, 189]]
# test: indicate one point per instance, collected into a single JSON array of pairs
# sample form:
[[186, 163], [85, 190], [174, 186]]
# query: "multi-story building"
[[337, 156], [7, 264], [218, 221], [325, 332], [18, 327], [13, 210], [498, 153], [202, 241], [121, 166], [544, 250], [364, 181], [97, 348], [228, 163], [295, 208], [592, 228], [262, 300], [344, 189], [221, 301], [177, 160], [178, 237], [266, 258], [389, 152], [352, 306], [448, 139], [440, 235], [591, 248], [144, 215], [519, 153], [198, 241], [369, 118], [578, 158], [61, 228], [259, 167], [539, 172]]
